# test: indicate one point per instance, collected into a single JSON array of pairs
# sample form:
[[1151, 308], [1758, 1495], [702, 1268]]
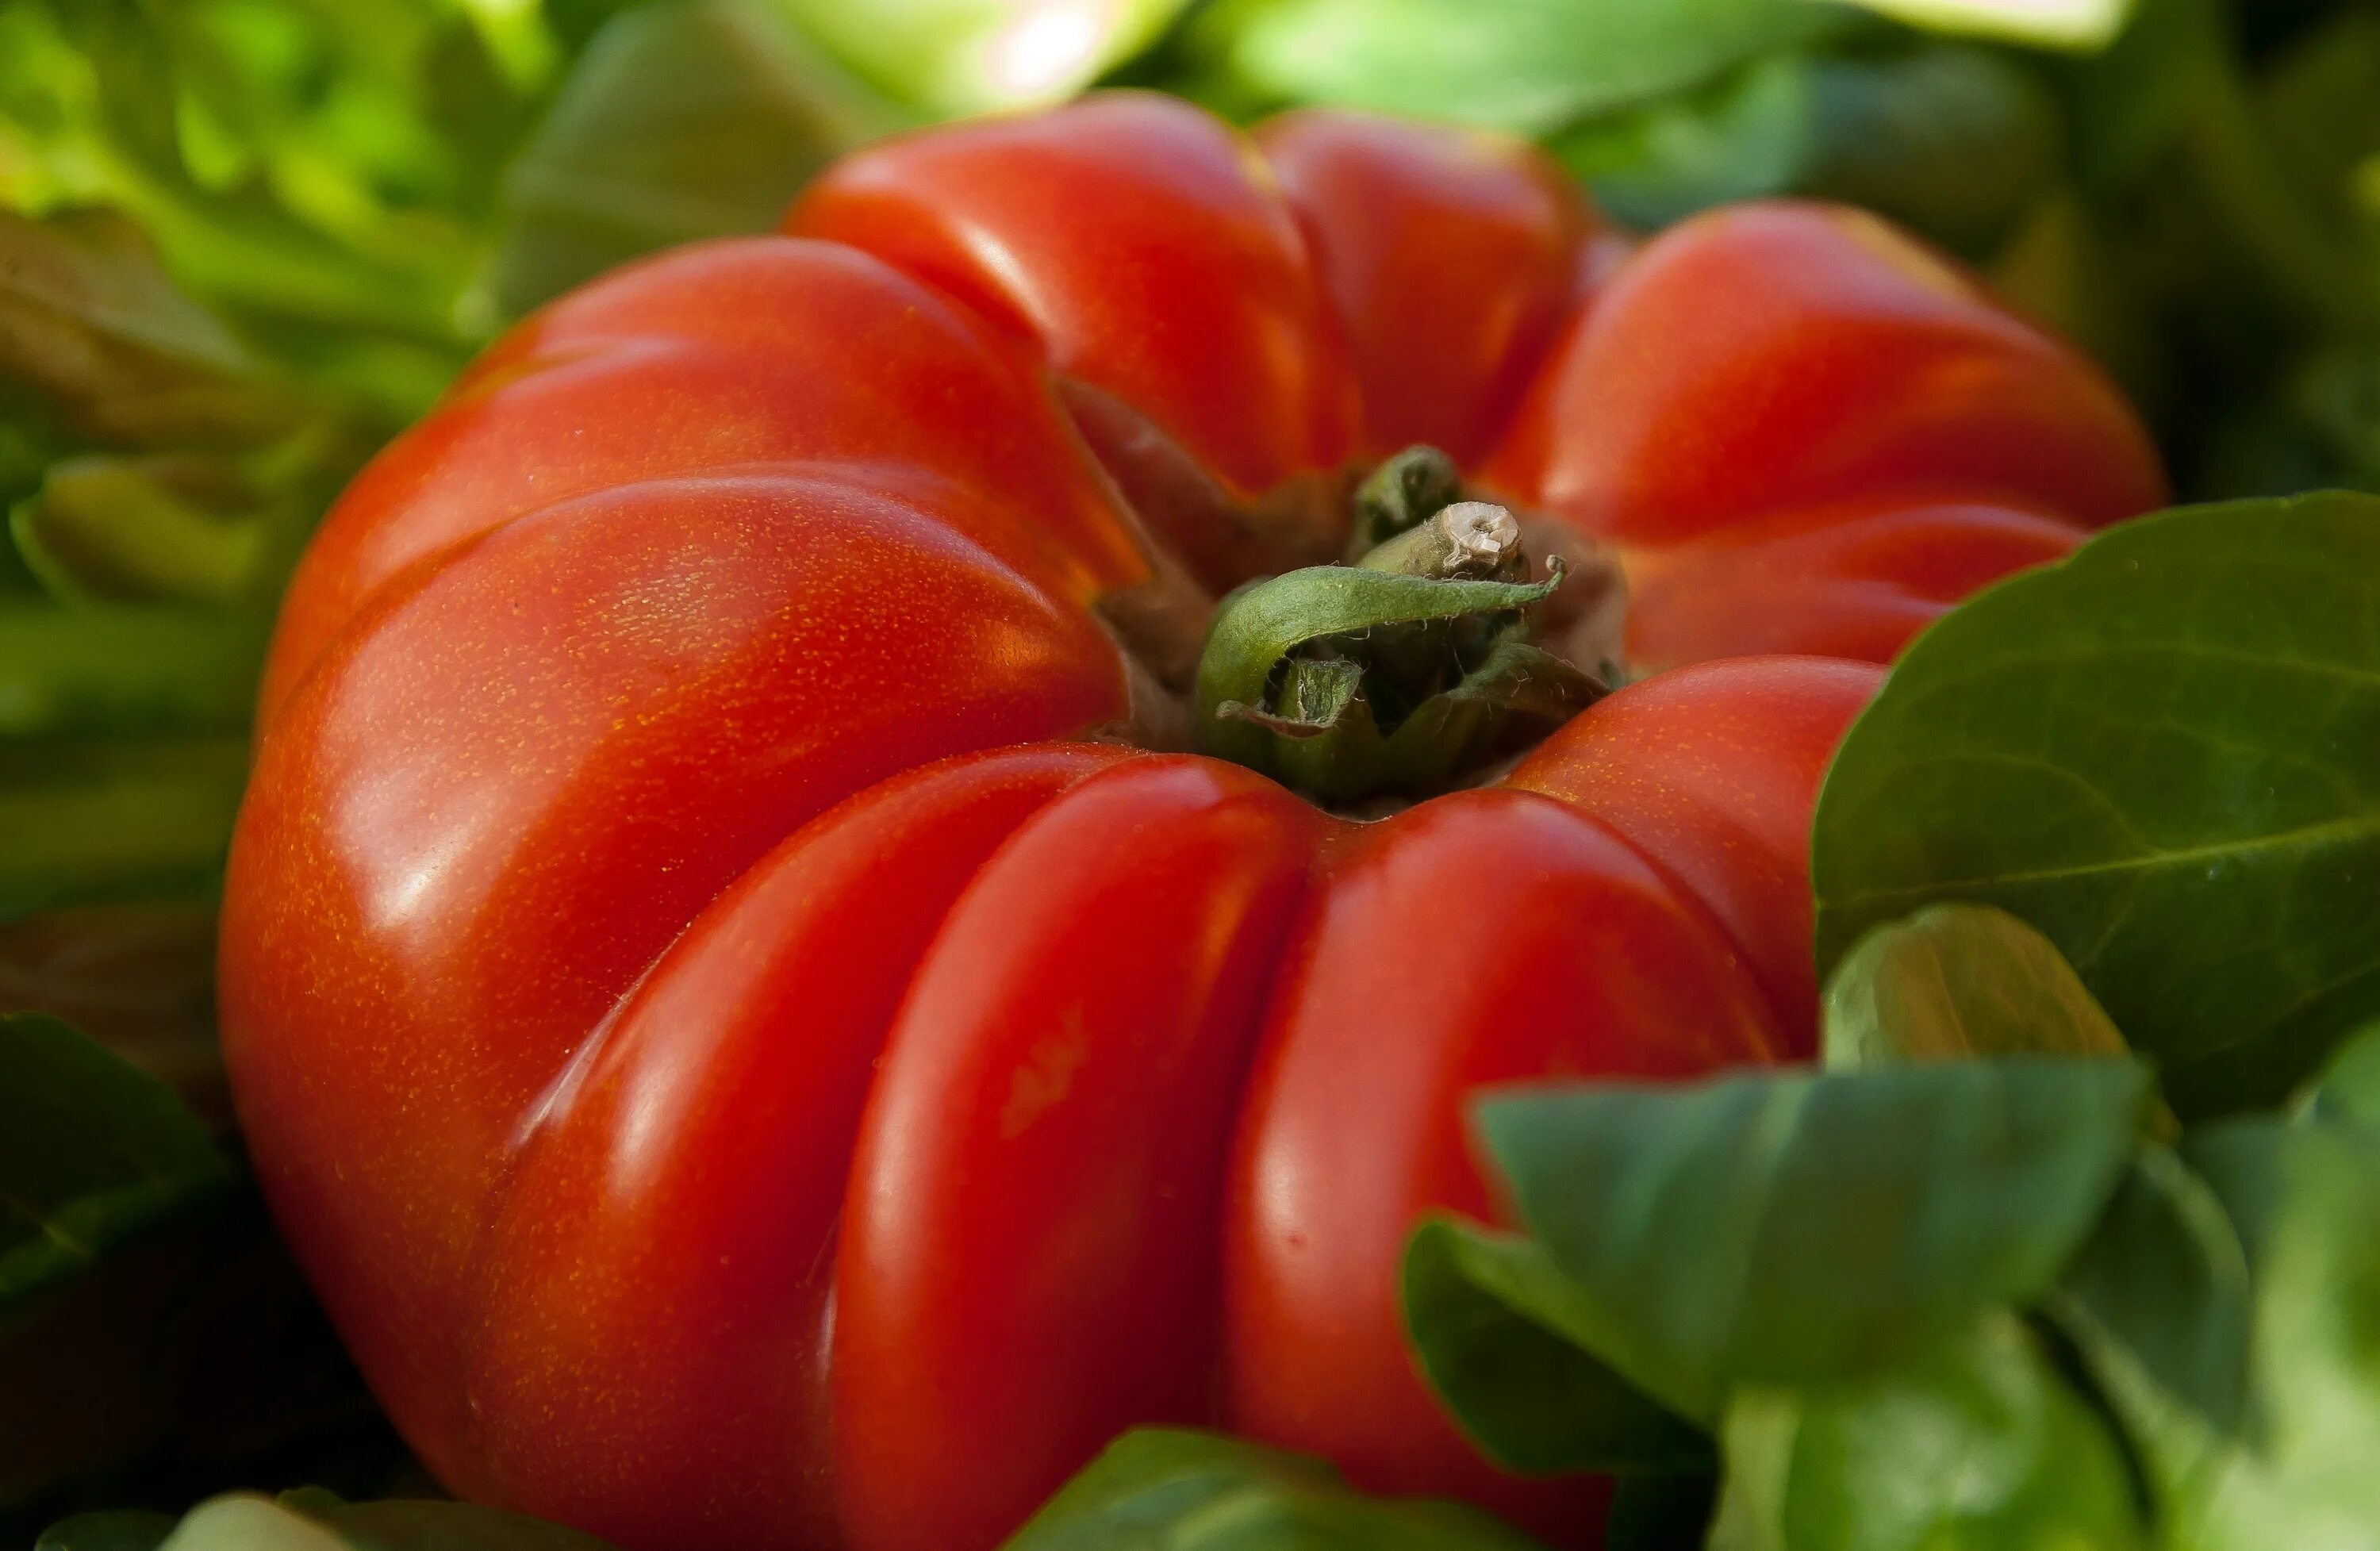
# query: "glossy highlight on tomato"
[[748, 1025]]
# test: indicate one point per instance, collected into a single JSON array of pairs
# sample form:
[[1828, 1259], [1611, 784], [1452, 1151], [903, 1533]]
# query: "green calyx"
[[1399, 675], [1402, 493]]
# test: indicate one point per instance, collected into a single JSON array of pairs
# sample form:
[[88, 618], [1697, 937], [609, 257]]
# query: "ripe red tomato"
[[749, 1052]]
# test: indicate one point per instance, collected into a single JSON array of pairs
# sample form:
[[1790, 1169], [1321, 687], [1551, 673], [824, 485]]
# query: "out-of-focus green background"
[[244, 241]]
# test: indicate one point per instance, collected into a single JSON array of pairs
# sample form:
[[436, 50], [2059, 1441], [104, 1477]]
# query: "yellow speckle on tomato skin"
[[1045, 1076]]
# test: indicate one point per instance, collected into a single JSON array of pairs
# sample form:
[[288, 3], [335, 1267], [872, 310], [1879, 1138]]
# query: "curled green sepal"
[[1316, 695], [1347, 684], [1402, 493]]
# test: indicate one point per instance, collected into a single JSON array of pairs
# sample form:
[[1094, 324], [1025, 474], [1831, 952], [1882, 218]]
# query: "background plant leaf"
[[1955, 140], [2084, 25], [1527, 65], [92, 1153], [89, 320], [962, 56], [683, 119]]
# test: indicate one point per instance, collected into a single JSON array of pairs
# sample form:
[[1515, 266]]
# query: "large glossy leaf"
[[1527, 65], [1798, 1228], [2164, 754], [683, 119], [1508, 1345], [1980, 1447], [1157, 1489], [92, 1153]]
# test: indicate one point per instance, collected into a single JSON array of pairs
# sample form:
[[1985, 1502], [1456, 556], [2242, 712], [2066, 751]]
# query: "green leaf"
[[314, 1520], [1751, 134], [92, 323], [127, 671], [2164, 754], [1954, 140], [1309, 726], [93, 1152], [684, 119], [122, 752], [2158, 1306], [1157, 1489], [1951, 140], [1529, 66], [188, 1361], [1794, 1227], [1979, 1445], [1506, 1343], [2134, 102], [2348, 1091], [2315, 101], [2082, 25], [139, 978], [172, 528], [107, 1532], [92, 822], [2300, 1474], [962, 56], [1660, 1512], [327, 164], [1956, 981], [2274, 1237], [2240, 1160]]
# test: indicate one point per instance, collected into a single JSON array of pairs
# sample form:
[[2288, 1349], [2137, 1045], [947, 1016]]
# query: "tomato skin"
[[1854, 362], [687, 714], [1139, 242], [719, 1106], [1480, 939], [497, 801], [724, 353], [1452, 259], [1714, 770], [1876, 572], [1027, 1265]]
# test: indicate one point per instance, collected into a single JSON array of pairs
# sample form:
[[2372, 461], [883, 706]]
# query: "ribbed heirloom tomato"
[[751, 1042]]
